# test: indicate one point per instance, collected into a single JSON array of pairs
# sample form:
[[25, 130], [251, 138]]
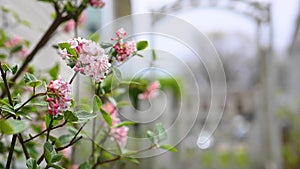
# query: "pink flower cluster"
[[151, 91], [70, 25], [124, 50], [117, 133], [14, 42], [58, 96], [91, 61], [97, 3]]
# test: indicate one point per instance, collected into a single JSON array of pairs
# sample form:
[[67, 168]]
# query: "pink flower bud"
[[58, 96], [97, 3]]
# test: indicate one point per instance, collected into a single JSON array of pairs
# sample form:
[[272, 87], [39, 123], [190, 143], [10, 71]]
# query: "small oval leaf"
[[141, 45]]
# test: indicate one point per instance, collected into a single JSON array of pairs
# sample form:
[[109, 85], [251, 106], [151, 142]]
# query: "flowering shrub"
[[33, 107]]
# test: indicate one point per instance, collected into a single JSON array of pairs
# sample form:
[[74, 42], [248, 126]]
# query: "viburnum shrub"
[[40, 119]]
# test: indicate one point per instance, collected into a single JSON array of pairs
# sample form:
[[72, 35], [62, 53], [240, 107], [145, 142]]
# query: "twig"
[[3, 75], [44, 131], [73, 77], [68, 145], [107, 161], [11, 151], [27, 101], [93, 137], [120, 156], [21, 140], [50, 128]]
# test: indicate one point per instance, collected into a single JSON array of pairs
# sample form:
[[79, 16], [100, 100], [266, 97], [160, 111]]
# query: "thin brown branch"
[[3, 75], [44, 131], [70, 144], [50, 128], [104, 162], [11, 151], [27, 101], [21, 140]]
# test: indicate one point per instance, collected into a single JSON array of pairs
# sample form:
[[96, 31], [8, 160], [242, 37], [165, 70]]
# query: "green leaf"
[[48, 152], [35, 83], [54, 140], [154, 57], [5, 102], [105, 45], [125, 123], [14, 69], [16, 49], [8, 109], [106, 117], [3, 36], [56, 158], [64, 45], [48, 119], [27, 43], [6, 67], [25, 23], [69, 7], [85, 165], [168, 147], [31, 164], [3, 56], [53, 72], [97, 103], [132, 160], [64, 139], [23, 114], [31, 80], [5, 128], [2, 148], [141, 45], [53, 15], [70, 116], [151, 137], [161, 132], [94, 37], [123, 104], [70, 51], [12, 126], [84, 116]]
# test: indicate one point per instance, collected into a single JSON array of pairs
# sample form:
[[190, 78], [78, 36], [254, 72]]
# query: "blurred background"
[[258, 44]]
